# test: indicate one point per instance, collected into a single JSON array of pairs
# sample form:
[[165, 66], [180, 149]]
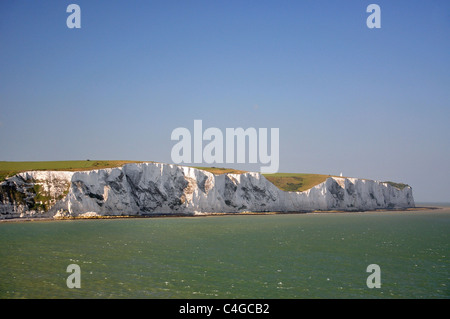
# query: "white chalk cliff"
[[155, 188]]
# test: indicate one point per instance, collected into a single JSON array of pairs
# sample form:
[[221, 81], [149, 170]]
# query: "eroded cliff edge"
[[157, 188]]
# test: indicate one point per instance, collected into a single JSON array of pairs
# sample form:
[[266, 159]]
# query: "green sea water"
[[263, 256]]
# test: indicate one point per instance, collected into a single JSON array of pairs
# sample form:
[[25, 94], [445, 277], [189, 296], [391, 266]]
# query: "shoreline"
[[180, 215]]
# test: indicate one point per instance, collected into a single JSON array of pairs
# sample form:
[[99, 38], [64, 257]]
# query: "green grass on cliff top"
[[291, 182], [296, 182], [8, 169]]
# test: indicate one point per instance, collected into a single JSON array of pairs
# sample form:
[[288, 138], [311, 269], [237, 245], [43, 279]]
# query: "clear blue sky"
[[371, 103]]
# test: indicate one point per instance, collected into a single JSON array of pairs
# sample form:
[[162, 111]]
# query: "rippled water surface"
[[265, 256]]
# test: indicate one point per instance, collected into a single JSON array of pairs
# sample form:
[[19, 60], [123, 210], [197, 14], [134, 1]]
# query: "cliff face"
[[154, 188]]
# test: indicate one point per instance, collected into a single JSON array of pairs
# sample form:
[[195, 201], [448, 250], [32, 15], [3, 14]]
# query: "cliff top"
[[292, 182], [8, 169]]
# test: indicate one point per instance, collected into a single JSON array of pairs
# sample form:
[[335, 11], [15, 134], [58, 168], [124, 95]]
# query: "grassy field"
[[8, 169], [295, 182], [220, 171], [291, 182]]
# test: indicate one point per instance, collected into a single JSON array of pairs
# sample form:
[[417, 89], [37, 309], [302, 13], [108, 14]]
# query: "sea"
[[279, 256]]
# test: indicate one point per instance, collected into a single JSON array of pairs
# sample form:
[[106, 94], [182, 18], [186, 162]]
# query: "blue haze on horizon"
[[370, 103]]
